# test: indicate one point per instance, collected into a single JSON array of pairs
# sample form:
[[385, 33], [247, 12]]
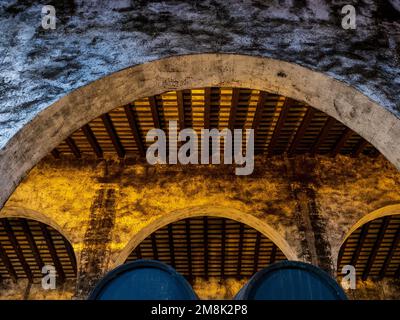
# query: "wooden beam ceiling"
[[27, 245], [281, 124], [210, 247], [373, 249]]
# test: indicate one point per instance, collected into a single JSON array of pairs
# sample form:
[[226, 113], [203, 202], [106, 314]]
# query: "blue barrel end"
[[291, 280], [143, 280]]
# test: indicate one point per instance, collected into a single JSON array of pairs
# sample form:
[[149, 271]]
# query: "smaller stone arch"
[[372, 243], [52, 236], [222, 212]]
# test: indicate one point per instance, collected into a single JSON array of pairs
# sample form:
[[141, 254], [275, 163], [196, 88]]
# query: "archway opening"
[[30, 251], [373, 249], [215, 254]]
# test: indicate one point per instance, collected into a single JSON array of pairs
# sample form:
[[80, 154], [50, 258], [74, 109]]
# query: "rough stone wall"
[[95, 38], [310, 202]]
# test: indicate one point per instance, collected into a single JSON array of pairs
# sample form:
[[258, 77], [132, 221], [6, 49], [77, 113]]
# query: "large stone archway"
[[214, 211], [62, 118]]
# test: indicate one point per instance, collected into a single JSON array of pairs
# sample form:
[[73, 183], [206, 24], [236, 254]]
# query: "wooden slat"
[[377, 245], [301, 130], [341, 142], [133, 123], [323, 134], [16, 247], [91, 138], [73, 147], [279, 125], [119, 148]]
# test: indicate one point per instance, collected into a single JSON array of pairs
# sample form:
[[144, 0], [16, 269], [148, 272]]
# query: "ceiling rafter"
[[133, 124], [91, 138], [279, 125], [108, 124]]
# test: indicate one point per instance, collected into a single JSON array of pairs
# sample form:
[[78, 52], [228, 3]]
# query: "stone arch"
[[20, 212], [358, 241], [55, 123], [222, 212], [376, 214]]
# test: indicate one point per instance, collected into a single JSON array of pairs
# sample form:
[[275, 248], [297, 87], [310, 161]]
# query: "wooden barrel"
[[143, 280], [291, 280]]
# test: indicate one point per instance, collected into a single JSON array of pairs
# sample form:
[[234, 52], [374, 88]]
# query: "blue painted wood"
[[143, 280], [291, 280]]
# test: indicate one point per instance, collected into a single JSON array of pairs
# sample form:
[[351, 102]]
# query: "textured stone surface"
[[93, 39]]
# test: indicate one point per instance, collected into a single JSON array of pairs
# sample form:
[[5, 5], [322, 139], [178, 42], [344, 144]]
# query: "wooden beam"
[[119, 148], [7, 263], [207, 107], [73, 147], [359, 147], [223, 243], [91, 138], [56, 153], [397, 273], [189, 248], [205, 244], [257, 252], [262, 97], [52, 250], [377, 245], [133, 123], [240, 249], [154, 112], [234, 107], [323, 134], [301, 130], [138, 252], [71, 255], [360, 244], [181, 110], [32, 244], [341, 142], [154, 246], [390, 254], [279, 125], [341, 252], [16, 247], [171, 245], [272, 258]]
